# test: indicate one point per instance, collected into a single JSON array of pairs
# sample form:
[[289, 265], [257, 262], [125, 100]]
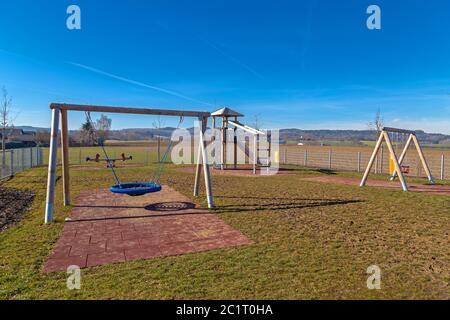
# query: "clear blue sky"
[[304, 64]]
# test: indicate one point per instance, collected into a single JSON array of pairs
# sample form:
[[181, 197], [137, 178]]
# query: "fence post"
[[284, 156], [329, 159], [359, 161], [31, 157], [22, 151], [376, 164], [11, 168], [306, 157], [3, 165], [442, 167]]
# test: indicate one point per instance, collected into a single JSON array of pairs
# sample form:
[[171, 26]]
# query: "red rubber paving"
[[413, 187], [110, 228]]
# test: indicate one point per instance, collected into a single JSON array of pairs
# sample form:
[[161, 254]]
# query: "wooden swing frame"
[[398, 172], [60, 112]]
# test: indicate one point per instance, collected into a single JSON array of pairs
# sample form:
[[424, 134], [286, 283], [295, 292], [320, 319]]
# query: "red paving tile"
[[98, 259], [61, 264], [143, 253], [77, 250], [413, 187], [108, 228]]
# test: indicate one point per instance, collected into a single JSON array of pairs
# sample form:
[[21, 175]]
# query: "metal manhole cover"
[[170, 206]]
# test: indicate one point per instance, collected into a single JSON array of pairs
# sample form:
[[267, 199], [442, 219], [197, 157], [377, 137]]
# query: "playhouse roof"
[[226, 112]]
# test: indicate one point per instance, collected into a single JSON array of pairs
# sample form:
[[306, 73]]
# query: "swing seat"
[[136, 188]]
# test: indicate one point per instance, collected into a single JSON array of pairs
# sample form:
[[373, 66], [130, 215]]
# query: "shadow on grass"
[[326, 171], [169, 207], [159, 206], [284, 204]]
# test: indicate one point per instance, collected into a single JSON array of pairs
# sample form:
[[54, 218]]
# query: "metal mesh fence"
[[357, 160], [16, 160]]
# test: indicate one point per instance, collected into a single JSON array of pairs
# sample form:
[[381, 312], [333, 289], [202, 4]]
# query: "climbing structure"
[[259, 153]]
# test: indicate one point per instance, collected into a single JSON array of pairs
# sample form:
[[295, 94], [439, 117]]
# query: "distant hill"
[[353, 135], [291, 135], [33, 129]]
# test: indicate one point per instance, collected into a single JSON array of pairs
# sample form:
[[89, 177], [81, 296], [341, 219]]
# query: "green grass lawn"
[[77, 155], [311, 241]]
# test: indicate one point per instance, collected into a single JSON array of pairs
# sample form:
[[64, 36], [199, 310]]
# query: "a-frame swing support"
[[60, 112], [384, 136]]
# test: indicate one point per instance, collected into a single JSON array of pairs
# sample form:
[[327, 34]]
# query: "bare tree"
[[378, 123], [87, 134], [158, 124], [103, 126], [257, 121], [6, 122]]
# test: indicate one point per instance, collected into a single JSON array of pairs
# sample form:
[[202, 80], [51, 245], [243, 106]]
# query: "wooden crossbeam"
[[389, 129], [144, 111]]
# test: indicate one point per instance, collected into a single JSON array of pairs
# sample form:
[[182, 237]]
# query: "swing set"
[[134, 188], [397, 169], [127, 188]]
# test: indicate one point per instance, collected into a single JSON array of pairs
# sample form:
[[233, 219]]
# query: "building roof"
[[226, 112]]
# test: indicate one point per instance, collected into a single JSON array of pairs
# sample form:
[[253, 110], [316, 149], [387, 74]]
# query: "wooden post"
[[396, 164], [65, 156], [52, 167], [198, 168], [403, 155], [372, 160], [222, 148], [382, 158], [422, 159], [255, 152], [235, 144], [442, 167], [376, 163], [209, 194]]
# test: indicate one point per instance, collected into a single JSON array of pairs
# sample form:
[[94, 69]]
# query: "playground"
[[300, 234]]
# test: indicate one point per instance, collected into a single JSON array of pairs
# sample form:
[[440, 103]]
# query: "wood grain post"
[[209, 194], [52, 167], [423, 160], [372, 160], [198, 168], [255, 152], [65, 156], [396, 163], [403, 155]]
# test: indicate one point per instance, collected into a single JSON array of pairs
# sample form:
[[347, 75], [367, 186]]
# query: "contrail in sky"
[[215, 47], [137, 83], [230, 57]]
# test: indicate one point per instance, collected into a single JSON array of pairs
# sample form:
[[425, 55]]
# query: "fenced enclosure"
[[17, 160], [337, 158], [356, 159], [141, 155]]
